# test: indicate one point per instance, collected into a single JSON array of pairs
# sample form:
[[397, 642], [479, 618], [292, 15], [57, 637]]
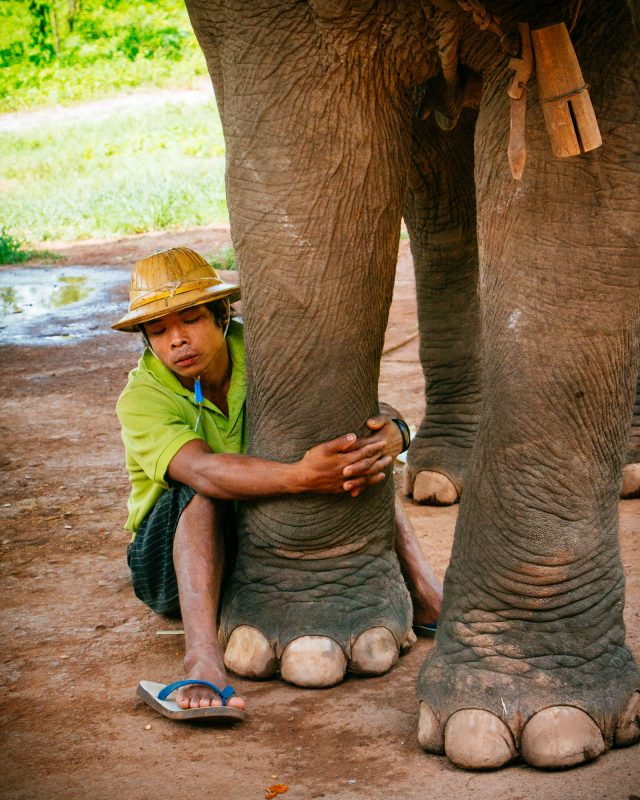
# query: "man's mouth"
[[186, 360]]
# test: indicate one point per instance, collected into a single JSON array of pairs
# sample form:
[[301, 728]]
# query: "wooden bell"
[[566, 105]]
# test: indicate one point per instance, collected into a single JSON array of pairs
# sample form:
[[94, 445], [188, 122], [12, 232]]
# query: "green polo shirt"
[[158, 416]]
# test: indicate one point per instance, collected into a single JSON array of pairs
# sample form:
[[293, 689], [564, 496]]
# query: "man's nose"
[[178, 336]]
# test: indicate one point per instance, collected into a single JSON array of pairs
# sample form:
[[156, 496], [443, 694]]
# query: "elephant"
[[435, 474], [340, 117]]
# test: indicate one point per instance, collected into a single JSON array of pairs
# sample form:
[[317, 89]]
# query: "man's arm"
[[329, 468]]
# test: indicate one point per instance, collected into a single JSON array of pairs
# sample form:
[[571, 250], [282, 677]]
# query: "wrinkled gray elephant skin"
[[530, 307]]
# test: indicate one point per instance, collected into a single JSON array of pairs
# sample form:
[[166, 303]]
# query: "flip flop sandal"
[[156, 695], [428, 629]]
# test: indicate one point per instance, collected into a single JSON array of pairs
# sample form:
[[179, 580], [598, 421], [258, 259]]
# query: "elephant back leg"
[[440, 215], [530, 657]]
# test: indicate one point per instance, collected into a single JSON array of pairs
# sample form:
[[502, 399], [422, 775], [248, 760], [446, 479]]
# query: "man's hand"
[[345, 464], [386, 431]]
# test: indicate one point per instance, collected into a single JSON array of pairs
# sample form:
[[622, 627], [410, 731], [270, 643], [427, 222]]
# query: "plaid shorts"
[[150, 554]]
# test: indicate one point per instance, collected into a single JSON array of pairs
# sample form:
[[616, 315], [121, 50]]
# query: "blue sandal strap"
[[171, 687], [223, 694], [226, 693]]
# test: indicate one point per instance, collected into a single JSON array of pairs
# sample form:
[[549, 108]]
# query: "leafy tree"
[[41, 33]]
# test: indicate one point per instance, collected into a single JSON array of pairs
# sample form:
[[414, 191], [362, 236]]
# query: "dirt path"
[[76, 642], [14, 121]]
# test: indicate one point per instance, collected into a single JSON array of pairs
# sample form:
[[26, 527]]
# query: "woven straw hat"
[[171, 280]]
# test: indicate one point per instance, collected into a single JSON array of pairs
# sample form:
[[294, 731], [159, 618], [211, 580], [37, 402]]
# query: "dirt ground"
[[76, 641]]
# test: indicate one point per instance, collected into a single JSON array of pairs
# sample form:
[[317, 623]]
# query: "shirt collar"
[[237, 388]]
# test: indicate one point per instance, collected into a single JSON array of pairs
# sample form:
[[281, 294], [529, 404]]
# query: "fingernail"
[[351, 437]]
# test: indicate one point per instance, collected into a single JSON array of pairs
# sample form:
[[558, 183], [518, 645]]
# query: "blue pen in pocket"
[[199, 398]]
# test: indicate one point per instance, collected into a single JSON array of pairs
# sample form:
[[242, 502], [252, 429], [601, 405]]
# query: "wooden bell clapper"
[[517, 152], [568, 114]]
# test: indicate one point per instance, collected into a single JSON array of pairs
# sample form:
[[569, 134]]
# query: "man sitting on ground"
[[183, 427]]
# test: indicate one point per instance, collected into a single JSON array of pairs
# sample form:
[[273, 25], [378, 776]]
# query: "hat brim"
[[132, 320]]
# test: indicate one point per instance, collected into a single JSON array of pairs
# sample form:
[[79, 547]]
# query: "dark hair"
[[217, 309], [220, 309]]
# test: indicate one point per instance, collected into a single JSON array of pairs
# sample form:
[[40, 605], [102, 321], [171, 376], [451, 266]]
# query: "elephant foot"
[[313, 620], [561, 736], [472, 739], [313, 662], [519, 725], [248, 653], [554, 738], [435, 473], [430, 488], [630, 481]]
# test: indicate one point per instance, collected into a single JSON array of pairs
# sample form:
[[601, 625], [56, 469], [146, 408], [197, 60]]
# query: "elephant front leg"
[[530, 657], [317, 153], [440, 214]]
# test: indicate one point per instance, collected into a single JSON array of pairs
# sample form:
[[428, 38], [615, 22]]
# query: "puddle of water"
[[33, 300], [49, 305]]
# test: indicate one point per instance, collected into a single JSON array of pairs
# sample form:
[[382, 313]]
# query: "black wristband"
[[406, 433]]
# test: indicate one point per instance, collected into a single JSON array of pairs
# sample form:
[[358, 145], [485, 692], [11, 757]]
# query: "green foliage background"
[[129, 172], [61, 51], [116, 170]]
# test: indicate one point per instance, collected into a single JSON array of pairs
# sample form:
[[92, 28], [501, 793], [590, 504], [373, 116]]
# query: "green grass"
[[11, 249], [131, 172], [113, 46], [225, 259]]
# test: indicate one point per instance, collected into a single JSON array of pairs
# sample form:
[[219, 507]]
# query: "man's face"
[[187, 342]]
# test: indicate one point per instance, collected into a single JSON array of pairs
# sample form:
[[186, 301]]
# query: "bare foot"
[[206, 665]]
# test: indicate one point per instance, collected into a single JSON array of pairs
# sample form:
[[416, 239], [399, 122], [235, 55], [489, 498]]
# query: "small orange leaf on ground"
[[272, 791]]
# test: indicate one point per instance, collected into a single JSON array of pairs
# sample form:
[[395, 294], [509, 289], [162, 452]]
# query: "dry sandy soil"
[[76, 641]]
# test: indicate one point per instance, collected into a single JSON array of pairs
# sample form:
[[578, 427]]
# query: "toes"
[[628, 728], [248, 653], [434, 488], [236, 702], [197, 700], [313, 662], [429, 731], [408, 643], [630, 481], [561, 736], [477, 739], [374, 652]]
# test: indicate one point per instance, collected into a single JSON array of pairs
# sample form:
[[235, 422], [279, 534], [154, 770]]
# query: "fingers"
[[343, 444], [375, 423], [371, 463], [356, 486]]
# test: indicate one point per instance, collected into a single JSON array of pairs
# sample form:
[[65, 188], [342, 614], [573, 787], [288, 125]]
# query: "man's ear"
[[226, 319]]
